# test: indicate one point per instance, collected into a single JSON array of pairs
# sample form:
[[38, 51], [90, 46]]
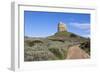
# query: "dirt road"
[[75, 52]]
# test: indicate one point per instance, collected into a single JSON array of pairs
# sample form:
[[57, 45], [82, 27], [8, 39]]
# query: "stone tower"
[[61, 27]]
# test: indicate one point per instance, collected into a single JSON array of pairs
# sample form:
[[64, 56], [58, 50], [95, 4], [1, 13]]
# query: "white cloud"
[[84, 26]]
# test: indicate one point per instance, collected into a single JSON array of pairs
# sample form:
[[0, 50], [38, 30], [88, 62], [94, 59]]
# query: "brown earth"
[[75, 52]]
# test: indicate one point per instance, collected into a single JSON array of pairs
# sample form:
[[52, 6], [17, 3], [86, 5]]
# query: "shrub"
[[29, 43], [37, 41], [85, 46], [55, 39], [32, 43], [38, 53], [38, 56], [58, 52], [72, 35]]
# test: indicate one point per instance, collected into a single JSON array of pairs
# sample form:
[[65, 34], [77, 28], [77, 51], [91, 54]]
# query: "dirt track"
[[75, 52]]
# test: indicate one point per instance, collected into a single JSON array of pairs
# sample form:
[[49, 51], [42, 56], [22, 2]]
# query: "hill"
[[68, 36], [53, 47]]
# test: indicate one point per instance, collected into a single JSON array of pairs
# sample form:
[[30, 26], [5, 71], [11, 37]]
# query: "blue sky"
[[42, 24]]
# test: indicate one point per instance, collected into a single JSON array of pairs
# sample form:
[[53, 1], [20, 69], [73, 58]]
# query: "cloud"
[[84, 26], [82, 29]]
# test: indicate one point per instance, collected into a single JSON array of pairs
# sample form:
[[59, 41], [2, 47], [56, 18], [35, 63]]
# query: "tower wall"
[[61, 27]]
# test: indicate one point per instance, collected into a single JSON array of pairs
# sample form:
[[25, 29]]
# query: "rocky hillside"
[[52, 47]]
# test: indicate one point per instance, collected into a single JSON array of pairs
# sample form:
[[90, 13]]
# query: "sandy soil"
[[75, 52]]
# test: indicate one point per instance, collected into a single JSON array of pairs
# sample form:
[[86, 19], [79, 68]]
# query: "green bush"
[[39, 56], [38, 53], [56, 39], [60, 53], [32, 43]]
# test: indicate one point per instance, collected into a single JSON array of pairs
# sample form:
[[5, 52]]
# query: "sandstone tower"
[[61, 27]]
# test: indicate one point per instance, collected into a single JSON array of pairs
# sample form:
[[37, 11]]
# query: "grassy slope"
[[67, 36]]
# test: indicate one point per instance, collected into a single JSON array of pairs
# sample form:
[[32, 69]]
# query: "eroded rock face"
[[61, 27]]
